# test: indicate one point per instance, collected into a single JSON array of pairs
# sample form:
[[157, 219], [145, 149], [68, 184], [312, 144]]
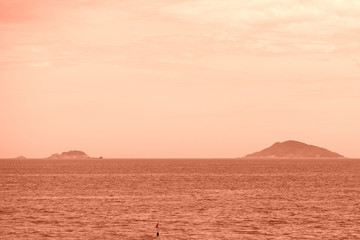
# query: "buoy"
[[157, 229]]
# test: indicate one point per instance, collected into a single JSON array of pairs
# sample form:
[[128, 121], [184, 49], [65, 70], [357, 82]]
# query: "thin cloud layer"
[[280, 26]]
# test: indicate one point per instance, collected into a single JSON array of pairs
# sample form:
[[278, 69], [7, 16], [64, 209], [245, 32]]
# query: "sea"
[[180, 199]]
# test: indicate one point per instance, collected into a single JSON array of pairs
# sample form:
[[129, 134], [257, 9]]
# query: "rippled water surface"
[[190, 199]]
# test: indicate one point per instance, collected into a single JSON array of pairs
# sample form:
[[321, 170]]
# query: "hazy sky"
[[178, 78]]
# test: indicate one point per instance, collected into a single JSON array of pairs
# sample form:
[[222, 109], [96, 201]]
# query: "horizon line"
[[174, 158]]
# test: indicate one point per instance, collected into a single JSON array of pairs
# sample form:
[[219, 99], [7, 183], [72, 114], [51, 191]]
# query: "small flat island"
[[74, 154], [294, 149]]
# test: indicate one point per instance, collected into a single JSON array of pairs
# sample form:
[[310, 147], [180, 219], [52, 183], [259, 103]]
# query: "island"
[[74, 154], [293, 149]]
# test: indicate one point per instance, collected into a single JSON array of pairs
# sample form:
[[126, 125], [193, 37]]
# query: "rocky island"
[[294, 149], [74, 154]]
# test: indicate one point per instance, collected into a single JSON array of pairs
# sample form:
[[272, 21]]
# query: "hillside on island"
[[294, 149], [74, 154]]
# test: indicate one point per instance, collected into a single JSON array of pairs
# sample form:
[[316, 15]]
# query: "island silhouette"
[[294, 149], [73, 154], [289, 149]]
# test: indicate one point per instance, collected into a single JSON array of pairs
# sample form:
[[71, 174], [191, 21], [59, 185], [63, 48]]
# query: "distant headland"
[[294, 149], [74, 154]]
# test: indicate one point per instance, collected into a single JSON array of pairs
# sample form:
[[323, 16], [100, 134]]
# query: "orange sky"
[[178, 78]]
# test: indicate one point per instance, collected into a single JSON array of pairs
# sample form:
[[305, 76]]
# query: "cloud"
[[278, 26], [41, 64], [178, 31], [264, 12]]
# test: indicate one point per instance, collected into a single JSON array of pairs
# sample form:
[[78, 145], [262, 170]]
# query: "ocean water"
[[189, 198]]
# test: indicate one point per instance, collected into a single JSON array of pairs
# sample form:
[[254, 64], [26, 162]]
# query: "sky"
[[178, 78]]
